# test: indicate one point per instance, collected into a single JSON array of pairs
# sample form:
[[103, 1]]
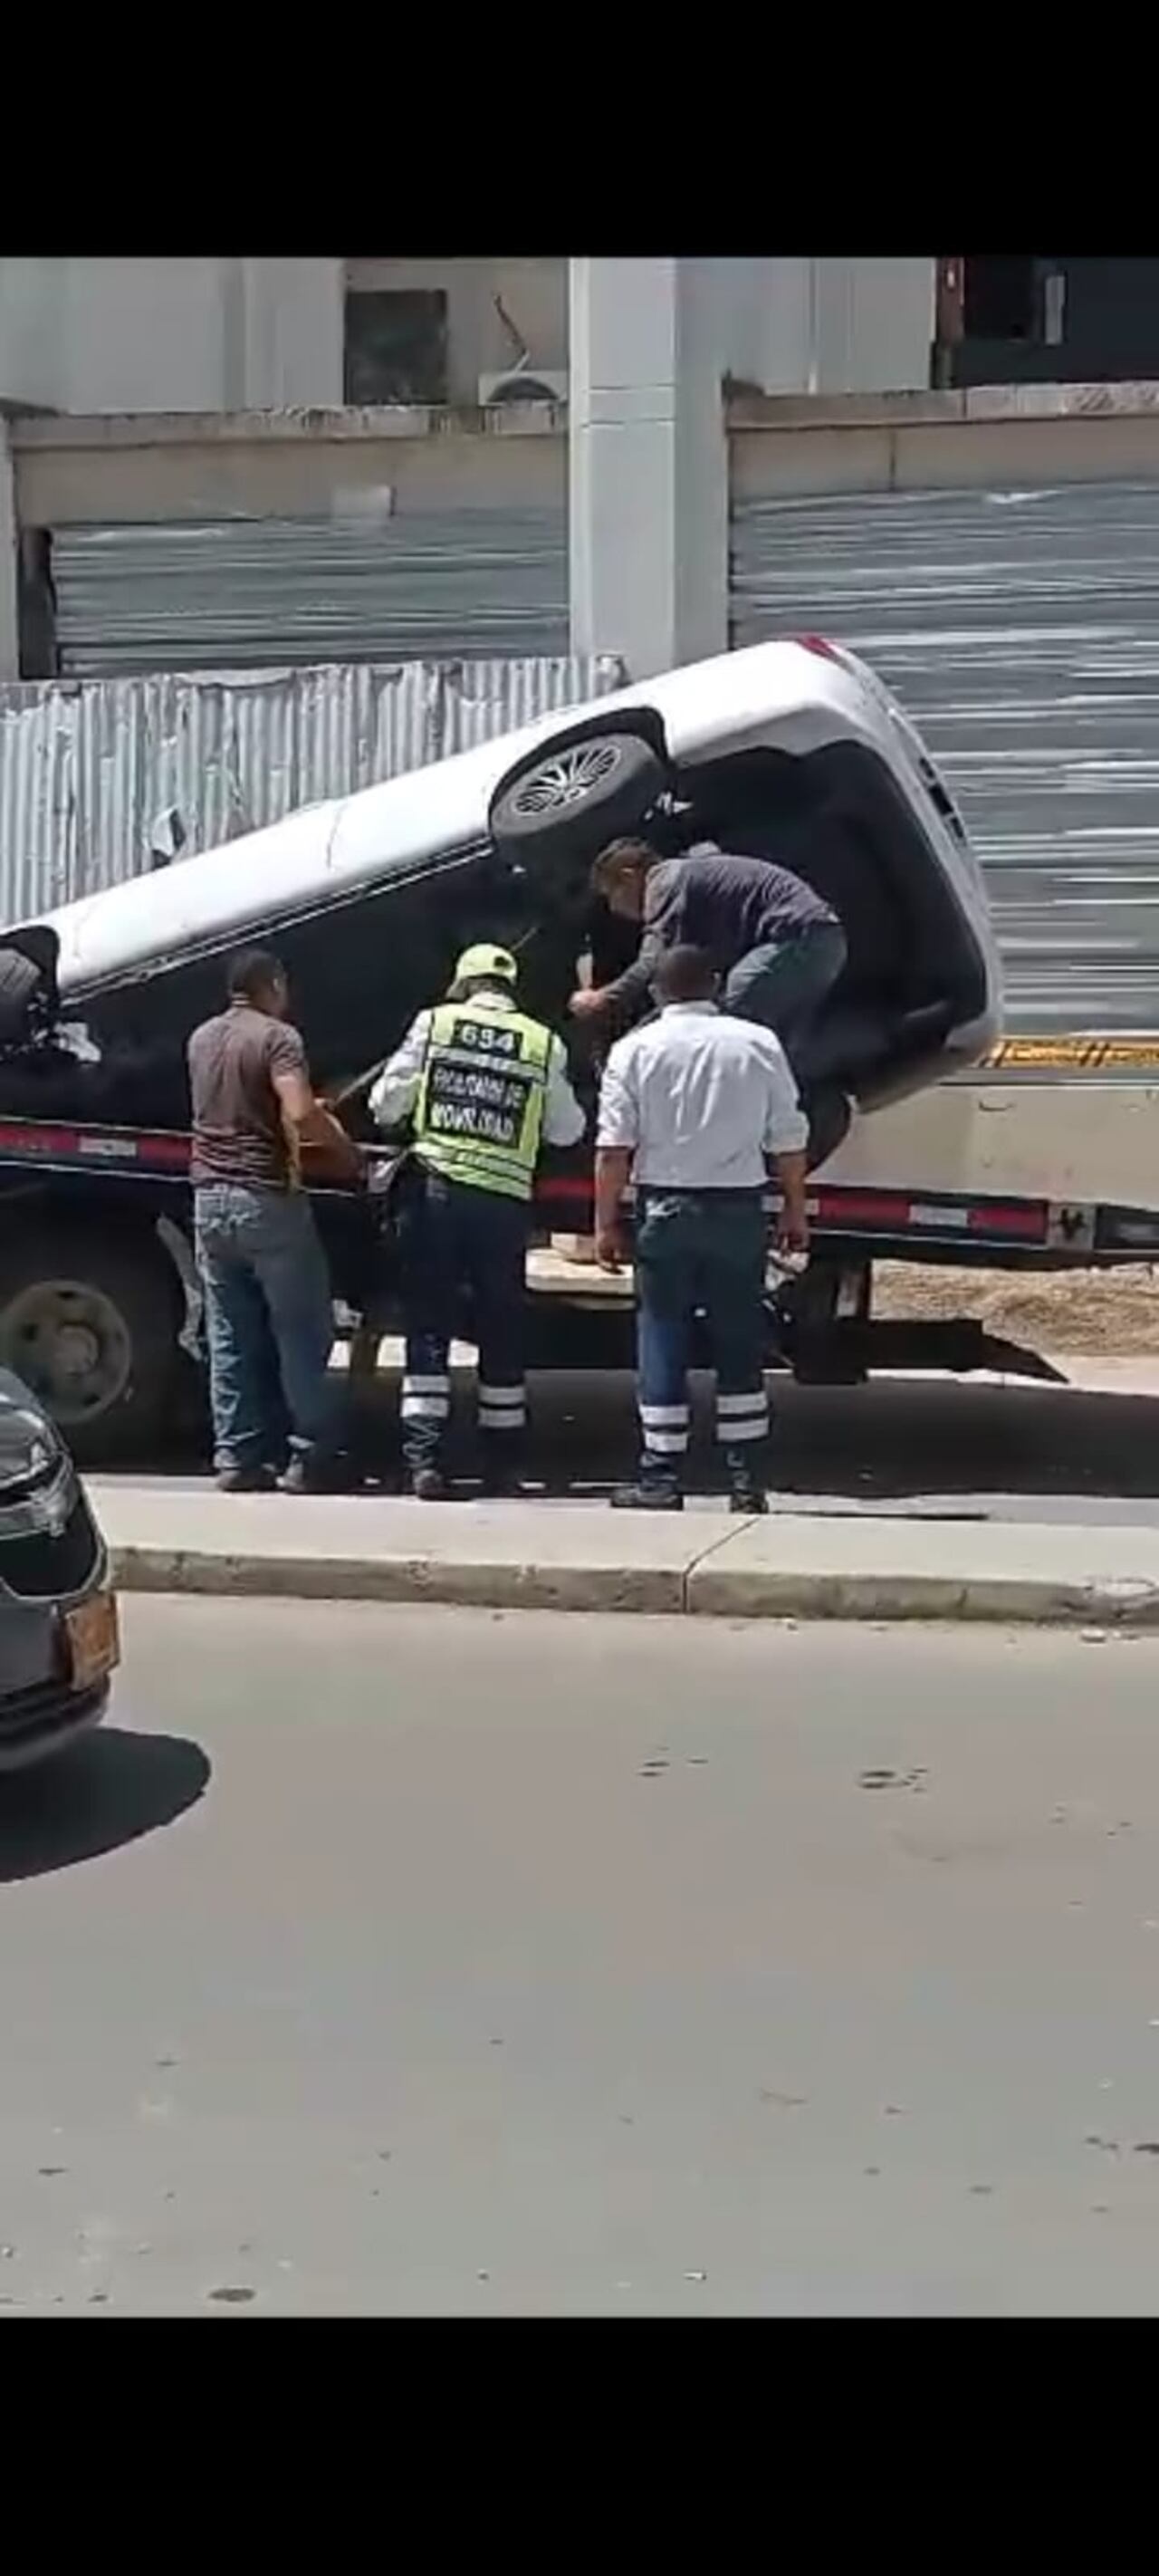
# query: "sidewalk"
[[574, 1556]]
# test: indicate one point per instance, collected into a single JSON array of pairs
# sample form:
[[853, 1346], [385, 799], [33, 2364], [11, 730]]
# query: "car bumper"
[[37, 1723], [44, 1702]]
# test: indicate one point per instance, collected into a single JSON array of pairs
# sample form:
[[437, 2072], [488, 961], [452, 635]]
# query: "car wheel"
[[92, 1329], [564, 805]]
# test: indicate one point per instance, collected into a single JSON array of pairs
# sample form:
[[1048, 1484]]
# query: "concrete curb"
[[1016, 1603], [453, 1583], [706, 1589]]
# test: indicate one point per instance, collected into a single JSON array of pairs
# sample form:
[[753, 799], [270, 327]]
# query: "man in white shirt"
[[690, 1106]]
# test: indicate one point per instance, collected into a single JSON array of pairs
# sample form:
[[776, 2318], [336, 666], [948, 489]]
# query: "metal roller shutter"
[[1021, 630], [248, 593]]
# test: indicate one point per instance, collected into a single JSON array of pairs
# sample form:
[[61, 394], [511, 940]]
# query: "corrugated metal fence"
[[86, 767], [241, 592], [1021, 631]]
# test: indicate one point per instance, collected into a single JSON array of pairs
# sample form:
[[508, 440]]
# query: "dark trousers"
[[783, 986], [701, 1250], [269, 1325], [450, 1238]]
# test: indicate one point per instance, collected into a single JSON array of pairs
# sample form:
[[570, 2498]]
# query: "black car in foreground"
[[58, 1612]]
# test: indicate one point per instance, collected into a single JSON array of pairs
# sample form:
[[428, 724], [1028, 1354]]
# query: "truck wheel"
[[92, 1329], [564, 805]]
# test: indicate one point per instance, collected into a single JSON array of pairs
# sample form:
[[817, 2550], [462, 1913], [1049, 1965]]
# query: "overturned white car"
[[792, 752]]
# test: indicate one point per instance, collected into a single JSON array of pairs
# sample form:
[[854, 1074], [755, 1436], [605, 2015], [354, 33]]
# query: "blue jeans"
[[269, 1323], [701, 1251], [783, 986], [451, 1238]]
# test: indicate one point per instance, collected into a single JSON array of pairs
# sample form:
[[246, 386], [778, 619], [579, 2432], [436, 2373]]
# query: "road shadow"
[[890, 1441], [107, 1791]]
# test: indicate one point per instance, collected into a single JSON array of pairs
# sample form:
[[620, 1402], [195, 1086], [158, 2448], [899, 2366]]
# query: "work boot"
[[746, 1492], [499, 1477], [648, 1494], [245, 1480], [307, 1474]]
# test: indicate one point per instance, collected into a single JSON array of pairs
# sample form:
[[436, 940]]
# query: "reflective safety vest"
[[478, 1117]]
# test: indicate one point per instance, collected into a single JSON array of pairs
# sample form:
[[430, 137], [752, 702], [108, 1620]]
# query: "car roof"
[[734, 701]]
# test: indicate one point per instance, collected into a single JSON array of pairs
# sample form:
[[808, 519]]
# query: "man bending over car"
[[776, 945]]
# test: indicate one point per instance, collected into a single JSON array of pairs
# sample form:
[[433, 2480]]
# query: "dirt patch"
[[1101, 1313]]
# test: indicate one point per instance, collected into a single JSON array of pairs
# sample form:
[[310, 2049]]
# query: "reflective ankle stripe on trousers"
[[665, 1429], [425, 1399], [502, 1408], [742, 1417]]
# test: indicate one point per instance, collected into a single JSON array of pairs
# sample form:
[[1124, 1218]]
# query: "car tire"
[[93, 1329], [565, 805]]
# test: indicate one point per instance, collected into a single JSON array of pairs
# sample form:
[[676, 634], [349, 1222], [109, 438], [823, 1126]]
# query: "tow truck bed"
[[893, 1223], [98, 1294]]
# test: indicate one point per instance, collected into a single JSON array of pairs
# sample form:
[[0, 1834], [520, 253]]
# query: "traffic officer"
[[690, 1105], [483, 1086]]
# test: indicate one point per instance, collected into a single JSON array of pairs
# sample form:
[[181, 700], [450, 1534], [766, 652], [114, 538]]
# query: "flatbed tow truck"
[[98, 1284]]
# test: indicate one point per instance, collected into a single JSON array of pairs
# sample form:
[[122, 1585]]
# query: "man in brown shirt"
[[264, 1277]]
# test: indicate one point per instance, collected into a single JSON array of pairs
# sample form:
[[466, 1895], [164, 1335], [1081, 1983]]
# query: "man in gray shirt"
[[264, 1280], [777, 947]]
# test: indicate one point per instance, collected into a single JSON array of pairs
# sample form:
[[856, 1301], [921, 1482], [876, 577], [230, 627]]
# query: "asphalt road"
[[391, 1961]]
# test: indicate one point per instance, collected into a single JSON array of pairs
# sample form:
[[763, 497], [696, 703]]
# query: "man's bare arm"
[[306, 1123], [793, 1222], [613, 1173]]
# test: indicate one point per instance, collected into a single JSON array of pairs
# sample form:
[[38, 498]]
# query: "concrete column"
[[9, 598], [647, 460], [234, 319], [292, 330]]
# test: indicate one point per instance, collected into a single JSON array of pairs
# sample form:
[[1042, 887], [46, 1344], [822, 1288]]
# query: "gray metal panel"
[[1021, 631], [242, 592], [87, 766], [37, 803], [480, 700]]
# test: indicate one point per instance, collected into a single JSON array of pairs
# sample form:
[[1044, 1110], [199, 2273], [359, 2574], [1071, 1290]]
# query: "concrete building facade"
[[163, 335], [213, 390], [202, 335]]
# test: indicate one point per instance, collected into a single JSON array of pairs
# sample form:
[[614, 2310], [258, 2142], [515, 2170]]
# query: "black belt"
[[719, 1198]]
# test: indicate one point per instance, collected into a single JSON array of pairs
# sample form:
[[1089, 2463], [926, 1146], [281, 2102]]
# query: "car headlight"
[[31, 1451]]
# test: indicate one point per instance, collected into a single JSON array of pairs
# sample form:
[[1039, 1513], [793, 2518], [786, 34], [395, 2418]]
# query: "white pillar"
[[9, 597], [293, 321], [648, 467]]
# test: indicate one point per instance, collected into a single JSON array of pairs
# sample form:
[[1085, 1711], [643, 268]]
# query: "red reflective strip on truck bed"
[[1023, 1220], [860, 1207], [1026, 1218], [109, 1145], [164, 1148], [870, 1211], [38, 1140]]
